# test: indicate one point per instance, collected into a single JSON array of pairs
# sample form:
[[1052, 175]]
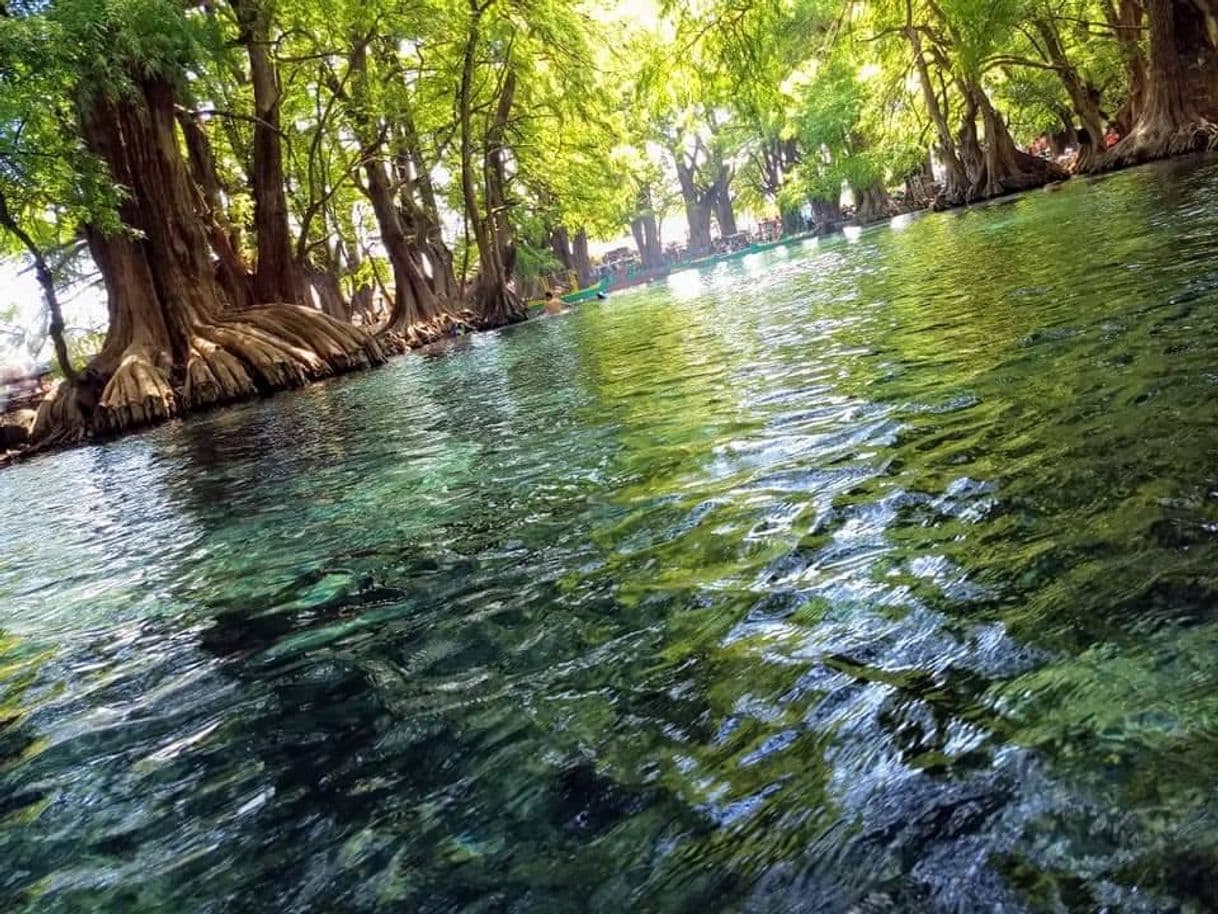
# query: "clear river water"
[[877, 575]]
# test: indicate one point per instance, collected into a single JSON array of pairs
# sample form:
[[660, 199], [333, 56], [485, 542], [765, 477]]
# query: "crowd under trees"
[[274, 191]]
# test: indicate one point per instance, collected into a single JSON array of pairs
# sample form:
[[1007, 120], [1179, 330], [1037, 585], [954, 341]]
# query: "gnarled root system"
[[237, 356]]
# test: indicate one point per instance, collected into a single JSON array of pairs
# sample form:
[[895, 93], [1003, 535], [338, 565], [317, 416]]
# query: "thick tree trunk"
[[999, 167], [496, 302], [647, 239], [919, 186], [328, 295], [231, 269], [871, 204], [174, 343], [1179, 97], [495, 178], [437, 247], [826, 214], [956, 181], [416, 315], [698, 207], [418, 213], [276, 277], [1126, 23], [560, 244], [724, 213], [582, 260], [414, 303], [1067, 138]]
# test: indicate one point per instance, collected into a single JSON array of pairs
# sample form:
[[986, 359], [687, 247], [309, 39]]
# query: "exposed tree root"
[[872, 205], [138, 393], [423, 333], [235, 357], [1159, 138], [497, 303]]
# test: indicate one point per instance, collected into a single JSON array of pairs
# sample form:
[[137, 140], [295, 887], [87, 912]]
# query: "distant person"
[[553, 304]]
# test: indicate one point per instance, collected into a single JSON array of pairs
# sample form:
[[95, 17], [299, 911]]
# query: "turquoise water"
[[876, 575]]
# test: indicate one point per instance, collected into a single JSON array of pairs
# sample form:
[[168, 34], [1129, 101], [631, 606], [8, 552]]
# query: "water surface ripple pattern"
[[875, 576]]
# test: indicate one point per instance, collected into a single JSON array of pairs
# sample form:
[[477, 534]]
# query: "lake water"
[[878, 575]]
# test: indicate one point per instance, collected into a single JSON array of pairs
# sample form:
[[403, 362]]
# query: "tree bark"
[[724, 213], [328, 294], [1178, 100], [1126, 23], [582, 260], [415, 306], [872, 204], [414, 303], [560, 244], [276, 277], [646, 233], [1005, 168], [1084, 98], [698, 207], [174, 343], [826, 214], [231, 268], [496, 302], [956, 183], [419, 214]]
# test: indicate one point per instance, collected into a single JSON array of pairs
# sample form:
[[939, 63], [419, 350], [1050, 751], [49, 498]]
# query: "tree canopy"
[[275, 190]]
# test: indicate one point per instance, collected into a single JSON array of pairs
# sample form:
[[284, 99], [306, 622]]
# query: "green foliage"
[[778, 99]]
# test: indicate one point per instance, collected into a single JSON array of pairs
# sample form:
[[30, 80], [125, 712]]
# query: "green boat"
[[582, 295], [641, 277]]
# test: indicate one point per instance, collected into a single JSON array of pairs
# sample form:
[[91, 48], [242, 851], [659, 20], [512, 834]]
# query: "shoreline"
[[27, 453]]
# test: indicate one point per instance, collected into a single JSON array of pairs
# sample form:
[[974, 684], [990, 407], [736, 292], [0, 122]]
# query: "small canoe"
[[583, 295]]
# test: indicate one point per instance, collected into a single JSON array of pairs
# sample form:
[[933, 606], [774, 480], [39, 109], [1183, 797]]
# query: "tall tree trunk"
[[560, 244], [724, 213], [174, 343], [1006, 168], [1171, 118], [231, 268], [871, 204], [328, 294], [698, 208], [494, 172], [46, 279], [581, 258], [956, 182], [826, 214], [414, 302], [419, 215], [438, 249], [495, 300], [1084, 98], [275, 275], [362, 291], [647, 239], [1126, 23]]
